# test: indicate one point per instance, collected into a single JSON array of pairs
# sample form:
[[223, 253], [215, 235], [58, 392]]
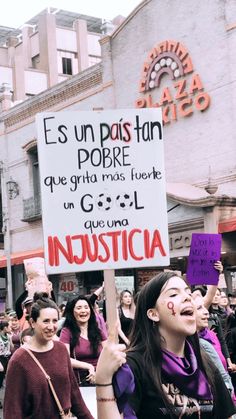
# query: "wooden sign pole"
[[110, 292]]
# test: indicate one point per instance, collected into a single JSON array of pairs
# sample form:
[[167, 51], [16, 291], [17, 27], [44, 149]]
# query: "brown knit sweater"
[[27, 392]]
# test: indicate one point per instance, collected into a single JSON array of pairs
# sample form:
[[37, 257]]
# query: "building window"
[[36, 62], [33, 154], [66, 65], [94, 60], [32, 205]]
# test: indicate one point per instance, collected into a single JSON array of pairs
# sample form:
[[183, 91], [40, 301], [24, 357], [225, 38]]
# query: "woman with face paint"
[[166, 375]]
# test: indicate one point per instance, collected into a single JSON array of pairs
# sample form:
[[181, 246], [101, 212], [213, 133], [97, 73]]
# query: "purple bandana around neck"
[[211, 337], [207, 335], [185, 374]]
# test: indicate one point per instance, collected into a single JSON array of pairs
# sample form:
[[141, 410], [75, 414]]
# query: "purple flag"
[[205, 250]]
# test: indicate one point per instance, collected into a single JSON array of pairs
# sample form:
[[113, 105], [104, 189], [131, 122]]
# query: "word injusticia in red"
[[136, 244]]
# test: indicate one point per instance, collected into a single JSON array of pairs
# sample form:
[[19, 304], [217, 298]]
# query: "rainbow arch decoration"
[[168, 57]]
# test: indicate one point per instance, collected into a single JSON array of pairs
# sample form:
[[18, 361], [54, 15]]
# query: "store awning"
[[227, 226], [17, 258]]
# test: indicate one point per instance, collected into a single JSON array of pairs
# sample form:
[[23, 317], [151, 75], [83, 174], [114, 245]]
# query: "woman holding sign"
[[172, 377]]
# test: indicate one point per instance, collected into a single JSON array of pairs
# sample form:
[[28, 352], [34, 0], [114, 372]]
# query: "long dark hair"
[[132, 304], [94, 333], [147, 340]]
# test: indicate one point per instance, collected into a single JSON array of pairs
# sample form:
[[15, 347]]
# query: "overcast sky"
[[16, 12]]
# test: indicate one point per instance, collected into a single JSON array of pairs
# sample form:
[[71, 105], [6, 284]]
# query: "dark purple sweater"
[[27, 392]]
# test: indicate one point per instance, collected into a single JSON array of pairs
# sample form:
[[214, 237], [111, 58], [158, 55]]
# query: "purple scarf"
[[211, 337], [185, 374], [207, 335], [123, 384]]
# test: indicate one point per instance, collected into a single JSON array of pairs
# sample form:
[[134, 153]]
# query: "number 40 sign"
[[68, 285]]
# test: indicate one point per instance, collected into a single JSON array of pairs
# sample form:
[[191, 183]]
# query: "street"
[[88, 393], [89, 396]]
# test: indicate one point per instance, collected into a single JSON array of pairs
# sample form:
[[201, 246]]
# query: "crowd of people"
[[171, 354]]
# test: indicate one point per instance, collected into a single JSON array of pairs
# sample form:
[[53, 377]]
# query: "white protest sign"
[[103, 189], [124, 283], [37, 280]]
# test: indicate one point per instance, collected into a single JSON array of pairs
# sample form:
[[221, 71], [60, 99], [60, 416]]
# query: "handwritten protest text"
[[105, 247]]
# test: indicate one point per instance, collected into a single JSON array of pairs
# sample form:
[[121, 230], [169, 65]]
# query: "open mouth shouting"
[[188, 312]]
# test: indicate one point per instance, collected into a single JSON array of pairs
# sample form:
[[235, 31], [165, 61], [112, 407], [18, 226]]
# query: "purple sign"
[[205, 250]]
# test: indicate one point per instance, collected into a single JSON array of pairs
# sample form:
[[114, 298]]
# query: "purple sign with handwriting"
[[205, 250]]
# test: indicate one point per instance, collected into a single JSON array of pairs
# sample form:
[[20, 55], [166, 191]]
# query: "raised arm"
[[110, 359], [18, 304], [99, 290], [96, 294], [211, 289]]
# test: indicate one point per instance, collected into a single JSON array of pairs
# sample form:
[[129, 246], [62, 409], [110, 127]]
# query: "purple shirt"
[[83, 350]]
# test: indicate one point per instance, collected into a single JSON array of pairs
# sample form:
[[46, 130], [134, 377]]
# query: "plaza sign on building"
[[103, 189], [183, 95]]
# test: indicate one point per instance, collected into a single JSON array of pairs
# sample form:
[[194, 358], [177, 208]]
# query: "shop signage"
[[103, 189], [180, 241], [68, 285], [184, 95]]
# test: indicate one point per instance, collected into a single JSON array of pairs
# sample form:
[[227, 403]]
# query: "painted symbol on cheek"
[[170, 306]]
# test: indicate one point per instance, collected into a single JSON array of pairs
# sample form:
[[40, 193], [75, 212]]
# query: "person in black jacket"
[[231, 342], [215, 308]]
